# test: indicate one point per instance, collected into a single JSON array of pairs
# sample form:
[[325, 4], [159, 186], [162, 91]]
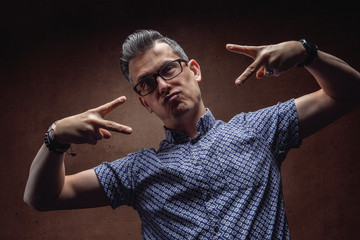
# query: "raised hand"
[[90, 126], [269, 60]]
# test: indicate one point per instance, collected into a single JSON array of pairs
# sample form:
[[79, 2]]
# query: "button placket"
[[195, 149]]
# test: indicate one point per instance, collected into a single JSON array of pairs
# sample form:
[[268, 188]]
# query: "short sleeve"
[[277, 125], [117, 180]]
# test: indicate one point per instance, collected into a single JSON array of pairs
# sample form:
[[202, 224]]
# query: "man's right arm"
[[48, 188]]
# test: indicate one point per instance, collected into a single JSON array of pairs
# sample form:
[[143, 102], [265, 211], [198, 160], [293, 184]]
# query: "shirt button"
[[216, 229], [197, 163]]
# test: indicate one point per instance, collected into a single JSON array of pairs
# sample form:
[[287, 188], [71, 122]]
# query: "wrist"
[[52, 144], [311, 52]]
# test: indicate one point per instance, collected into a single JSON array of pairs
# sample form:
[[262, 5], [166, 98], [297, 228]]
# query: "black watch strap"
[[311, 50], [53, 145]]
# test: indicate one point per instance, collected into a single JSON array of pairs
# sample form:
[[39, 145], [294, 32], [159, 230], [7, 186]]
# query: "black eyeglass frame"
[[157, 74]]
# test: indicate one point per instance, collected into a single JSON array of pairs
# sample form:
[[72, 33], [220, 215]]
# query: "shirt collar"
[[205, 123]]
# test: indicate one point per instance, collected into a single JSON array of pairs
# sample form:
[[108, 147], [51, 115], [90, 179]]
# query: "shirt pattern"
[[223, 184]]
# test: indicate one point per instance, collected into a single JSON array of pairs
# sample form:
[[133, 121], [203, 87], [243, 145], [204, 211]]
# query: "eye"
[[169, 70], [147, 83]]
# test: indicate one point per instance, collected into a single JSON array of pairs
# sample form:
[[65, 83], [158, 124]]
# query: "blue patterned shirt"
[[223, 184]]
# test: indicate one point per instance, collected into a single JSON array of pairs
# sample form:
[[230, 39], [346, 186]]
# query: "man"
[[208, 179]]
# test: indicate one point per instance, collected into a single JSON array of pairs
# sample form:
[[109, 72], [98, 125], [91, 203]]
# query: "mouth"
[[171, 96]]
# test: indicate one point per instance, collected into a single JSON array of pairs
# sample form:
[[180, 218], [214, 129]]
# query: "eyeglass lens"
[[167, 72]]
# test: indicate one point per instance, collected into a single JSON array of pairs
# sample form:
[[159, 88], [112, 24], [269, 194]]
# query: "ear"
[[142, 101], [195, 68]]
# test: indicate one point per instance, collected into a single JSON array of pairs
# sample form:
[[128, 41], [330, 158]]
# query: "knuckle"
[[252, 68], [91, 119], [107, 107], [110, 125]]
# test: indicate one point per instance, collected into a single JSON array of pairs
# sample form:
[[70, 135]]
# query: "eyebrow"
[[142, 76], [145, 75]]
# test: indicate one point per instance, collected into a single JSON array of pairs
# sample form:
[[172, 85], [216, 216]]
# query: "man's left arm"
[[339, 93], [340, 83]]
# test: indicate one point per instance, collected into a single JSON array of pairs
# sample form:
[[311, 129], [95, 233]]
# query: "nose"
[[164, 86]]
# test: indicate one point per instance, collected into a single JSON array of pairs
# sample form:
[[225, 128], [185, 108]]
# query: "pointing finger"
[[110, 106], [249, 71], [112, 126], [250, 51]]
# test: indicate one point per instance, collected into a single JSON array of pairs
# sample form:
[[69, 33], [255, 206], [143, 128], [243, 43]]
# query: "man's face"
[[172, 99]]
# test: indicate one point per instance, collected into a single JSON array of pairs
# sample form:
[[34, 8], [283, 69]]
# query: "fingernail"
[[122, 98], [238, 82]]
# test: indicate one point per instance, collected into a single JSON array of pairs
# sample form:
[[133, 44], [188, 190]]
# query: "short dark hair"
[[140, 41]]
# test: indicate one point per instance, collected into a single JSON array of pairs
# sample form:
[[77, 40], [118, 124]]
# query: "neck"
[[186, 123]]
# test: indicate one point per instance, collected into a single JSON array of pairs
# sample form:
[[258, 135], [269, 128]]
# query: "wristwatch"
[[311, 50], [53, 145]]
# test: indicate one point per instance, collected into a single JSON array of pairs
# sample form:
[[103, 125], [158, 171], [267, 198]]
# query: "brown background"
[[62, 58]]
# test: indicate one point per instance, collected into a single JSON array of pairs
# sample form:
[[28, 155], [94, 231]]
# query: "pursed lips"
[[170, 96]]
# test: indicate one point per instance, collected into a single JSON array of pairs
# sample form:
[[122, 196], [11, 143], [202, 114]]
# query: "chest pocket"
[[243, 159]]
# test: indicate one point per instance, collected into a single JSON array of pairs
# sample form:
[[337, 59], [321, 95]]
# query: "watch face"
[[309, 45], [311, 50], [52, 127]]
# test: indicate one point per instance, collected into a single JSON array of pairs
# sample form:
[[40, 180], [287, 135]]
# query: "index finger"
[[249, 71], [250, 51], [110, 106]]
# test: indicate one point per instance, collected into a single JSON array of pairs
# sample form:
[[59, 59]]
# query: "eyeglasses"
[[148, 84]]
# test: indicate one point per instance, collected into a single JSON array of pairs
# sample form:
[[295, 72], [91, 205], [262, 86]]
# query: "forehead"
[[150, 61]]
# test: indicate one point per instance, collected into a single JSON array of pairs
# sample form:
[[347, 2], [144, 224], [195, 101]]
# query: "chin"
[[179, 112], [182, 109]]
